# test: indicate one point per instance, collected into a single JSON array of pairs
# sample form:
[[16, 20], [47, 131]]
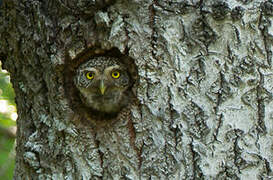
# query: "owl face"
[[102, 83]]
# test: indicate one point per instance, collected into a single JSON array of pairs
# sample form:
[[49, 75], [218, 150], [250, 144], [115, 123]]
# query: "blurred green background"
[[7, 126]]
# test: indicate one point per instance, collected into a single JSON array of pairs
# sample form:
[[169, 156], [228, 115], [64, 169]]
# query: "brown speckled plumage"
[[116, 89]]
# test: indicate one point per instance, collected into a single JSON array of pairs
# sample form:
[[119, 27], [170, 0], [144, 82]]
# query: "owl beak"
[[102, 87]]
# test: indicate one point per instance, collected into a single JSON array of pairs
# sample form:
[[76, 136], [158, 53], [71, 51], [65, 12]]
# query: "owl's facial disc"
[[102, 83]]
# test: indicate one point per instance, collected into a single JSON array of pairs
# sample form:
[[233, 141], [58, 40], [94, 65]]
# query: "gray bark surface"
[[203, 107]]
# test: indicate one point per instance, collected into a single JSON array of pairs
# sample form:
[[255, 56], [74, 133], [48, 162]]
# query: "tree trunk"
[[203, 92]]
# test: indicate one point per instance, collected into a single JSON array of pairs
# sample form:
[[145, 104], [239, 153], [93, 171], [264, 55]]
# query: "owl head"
[[103, 84]]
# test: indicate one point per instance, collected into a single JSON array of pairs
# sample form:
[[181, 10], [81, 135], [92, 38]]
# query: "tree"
[[203, 105]]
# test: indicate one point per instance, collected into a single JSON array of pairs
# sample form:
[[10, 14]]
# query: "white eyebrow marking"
[[90, 69], [112, 67]]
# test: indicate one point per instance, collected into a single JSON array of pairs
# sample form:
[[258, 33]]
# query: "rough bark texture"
[[204, 105]]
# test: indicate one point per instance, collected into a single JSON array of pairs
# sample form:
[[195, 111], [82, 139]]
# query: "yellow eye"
[[90, 75], [115, 74]]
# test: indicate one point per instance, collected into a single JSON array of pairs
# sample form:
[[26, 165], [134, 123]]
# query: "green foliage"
[[5, 120], [7, 138], [7, 155], [6, 90]]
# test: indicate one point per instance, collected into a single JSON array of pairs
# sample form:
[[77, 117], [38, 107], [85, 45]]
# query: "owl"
[[103, 84]]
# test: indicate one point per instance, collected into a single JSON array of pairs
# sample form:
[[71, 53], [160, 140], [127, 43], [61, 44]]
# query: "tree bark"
[[203, 92]]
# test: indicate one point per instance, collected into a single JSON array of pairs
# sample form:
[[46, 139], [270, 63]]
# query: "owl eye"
[[89, 75], [115, 74]]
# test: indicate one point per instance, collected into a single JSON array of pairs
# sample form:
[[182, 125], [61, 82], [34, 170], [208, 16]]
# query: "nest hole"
[[72, 93]]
